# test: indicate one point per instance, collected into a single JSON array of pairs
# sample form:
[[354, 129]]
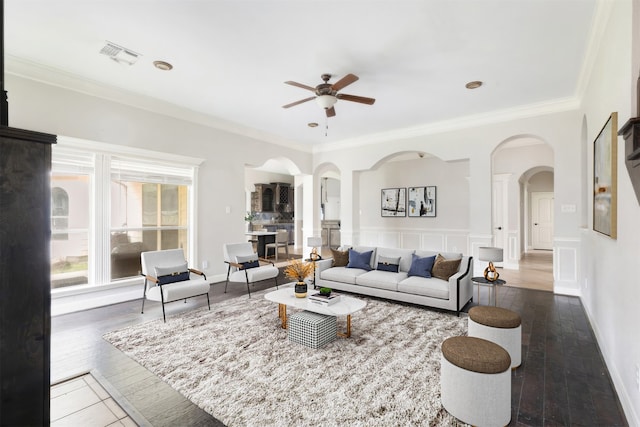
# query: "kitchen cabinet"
[[330, 233], [273, 197], [262, 200]]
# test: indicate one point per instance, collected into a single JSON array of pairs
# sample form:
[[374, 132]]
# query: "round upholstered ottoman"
[[498, 325], [475, 381]]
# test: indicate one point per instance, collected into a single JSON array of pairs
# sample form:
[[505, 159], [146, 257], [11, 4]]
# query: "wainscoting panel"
[[565, 266], [512, 253], [410, 240], [436, 239], [433, 241], [388, 239]]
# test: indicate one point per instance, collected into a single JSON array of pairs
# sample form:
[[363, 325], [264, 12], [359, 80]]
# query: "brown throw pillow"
[[340, 258], [444, 268]]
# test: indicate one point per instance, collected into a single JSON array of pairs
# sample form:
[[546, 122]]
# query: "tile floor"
[[82, 401]]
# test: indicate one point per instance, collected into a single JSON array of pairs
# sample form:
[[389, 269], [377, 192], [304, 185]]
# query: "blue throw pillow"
[[421, 266], [359, 260]]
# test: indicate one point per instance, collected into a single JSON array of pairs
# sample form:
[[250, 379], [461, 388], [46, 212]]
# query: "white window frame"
[[100, 222]]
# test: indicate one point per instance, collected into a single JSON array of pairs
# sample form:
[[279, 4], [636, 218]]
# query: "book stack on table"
[[320, 299]]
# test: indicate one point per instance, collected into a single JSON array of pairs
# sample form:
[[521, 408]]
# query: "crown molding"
[[471, 121], [21, 67]]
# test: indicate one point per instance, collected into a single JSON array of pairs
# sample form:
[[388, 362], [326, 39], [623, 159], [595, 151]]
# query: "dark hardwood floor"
[[562, 379]]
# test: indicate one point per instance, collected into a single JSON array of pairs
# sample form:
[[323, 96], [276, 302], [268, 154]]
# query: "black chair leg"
[[208, 303], [164, 316], [144, 295]]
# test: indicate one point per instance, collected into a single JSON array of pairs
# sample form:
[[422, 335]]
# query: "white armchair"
[[167, 278], [244, 266]]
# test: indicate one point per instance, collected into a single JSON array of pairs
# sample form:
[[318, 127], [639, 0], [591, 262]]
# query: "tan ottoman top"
[[476, 354], [496, 317]]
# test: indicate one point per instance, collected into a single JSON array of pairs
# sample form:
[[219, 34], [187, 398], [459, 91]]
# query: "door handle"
[[498, 228], [535, 223]]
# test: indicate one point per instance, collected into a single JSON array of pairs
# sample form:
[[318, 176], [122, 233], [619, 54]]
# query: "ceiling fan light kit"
[[326, 101], [326, 94]]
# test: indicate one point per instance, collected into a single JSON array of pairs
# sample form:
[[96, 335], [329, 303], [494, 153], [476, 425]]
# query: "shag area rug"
[[236, 363]]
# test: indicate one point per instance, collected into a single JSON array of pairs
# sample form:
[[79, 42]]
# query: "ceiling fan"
[[326, 94]]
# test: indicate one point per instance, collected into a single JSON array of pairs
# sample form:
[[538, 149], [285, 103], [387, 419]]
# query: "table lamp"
[[314, 243], [491, 255]]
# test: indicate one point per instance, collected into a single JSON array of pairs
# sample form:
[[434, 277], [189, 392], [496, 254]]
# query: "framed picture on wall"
[[422, 201], [394, 202], [605, 172]]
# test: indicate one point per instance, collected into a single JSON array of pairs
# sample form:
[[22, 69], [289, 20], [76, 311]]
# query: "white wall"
[[45, 108], [609, 279]]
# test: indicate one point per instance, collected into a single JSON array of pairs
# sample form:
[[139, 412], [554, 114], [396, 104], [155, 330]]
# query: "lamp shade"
[[326, 101], [314, 242], [490, 254]]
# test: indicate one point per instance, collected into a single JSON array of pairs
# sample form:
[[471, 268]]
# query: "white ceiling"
[[232, 57]]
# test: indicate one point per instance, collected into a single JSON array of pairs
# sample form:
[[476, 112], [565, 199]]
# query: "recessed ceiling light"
[[312, 125], [473, 85], [162, 65]]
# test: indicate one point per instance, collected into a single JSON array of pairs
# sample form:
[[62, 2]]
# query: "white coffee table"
[[285, 297]]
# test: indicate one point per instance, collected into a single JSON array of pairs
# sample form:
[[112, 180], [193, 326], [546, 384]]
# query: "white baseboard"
[[566, 291], [633, 418]]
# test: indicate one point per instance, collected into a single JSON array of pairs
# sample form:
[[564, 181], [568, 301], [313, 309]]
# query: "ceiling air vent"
[[120, 54]]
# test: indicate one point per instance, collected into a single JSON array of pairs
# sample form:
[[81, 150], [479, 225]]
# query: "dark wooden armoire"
[[25, 303]]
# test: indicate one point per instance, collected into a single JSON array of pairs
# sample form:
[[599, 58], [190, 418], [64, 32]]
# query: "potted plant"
[[298, 270], [250, 216], [325, 291]]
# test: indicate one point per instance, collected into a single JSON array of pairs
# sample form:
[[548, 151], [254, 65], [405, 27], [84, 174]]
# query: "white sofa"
[[451, 295]]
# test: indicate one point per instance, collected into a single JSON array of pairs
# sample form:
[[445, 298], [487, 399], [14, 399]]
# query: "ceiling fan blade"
[[344, 82], [355, 98], [300, 85], [331, 112], [299, 102]]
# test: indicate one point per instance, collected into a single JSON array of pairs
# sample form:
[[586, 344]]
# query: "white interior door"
[[499, 212], [542, 220]]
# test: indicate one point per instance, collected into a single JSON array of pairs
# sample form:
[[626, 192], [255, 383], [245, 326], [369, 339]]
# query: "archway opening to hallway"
[[522, 211], [271, 205]]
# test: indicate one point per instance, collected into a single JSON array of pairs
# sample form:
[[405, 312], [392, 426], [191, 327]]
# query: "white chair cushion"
[[432, 287], [257, 274], [179, 290], [342, 274], [381, 279]]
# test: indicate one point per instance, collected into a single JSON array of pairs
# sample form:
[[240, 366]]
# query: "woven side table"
[[311, 329]]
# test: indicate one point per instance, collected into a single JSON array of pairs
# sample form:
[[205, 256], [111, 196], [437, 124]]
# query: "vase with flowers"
[[298, 270]]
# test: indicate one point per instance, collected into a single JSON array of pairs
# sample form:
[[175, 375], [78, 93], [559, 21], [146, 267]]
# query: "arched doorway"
[[523, 206]]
